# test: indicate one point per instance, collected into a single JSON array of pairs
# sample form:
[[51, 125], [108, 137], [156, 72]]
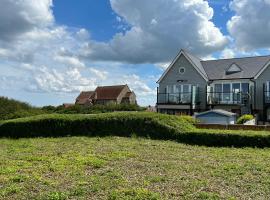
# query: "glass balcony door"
[[236, 92], [179, 93], [230, 93]]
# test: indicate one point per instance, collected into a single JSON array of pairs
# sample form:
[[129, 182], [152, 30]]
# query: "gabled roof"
[[109, 92], [251, 66], [217, 111], [234, 68], [196, 63], [84, 97]]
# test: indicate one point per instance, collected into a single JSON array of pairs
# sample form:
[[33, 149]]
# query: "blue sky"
[[52, 50]]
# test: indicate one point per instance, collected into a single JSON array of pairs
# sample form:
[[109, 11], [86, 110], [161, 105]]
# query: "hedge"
[[119, 123], [142, 124]]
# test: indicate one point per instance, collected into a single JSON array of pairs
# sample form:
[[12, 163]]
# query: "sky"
[[50, 50]]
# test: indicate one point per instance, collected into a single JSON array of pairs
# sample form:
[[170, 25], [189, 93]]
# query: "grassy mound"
[[11, 109], [127, 124]]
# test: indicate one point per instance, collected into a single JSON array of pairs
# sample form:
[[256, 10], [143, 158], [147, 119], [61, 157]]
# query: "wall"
[[191, 75], [233, 127], [260, 81]]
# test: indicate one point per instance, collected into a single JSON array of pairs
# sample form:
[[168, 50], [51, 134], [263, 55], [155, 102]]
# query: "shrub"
[[79, 109], [11, 109], [244, 118]]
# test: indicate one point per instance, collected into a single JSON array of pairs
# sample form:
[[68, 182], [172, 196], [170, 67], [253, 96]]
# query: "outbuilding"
[[216, 116]]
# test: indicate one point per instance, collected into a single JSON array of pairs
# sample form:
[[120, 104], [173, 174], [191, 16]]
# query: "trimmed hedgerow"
[[120, 124], [141, 124]]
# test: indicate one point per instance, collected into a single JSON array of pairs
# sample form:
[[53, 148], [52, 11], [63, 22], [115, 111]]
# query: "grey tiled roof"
[[216, 69], [197, 61]]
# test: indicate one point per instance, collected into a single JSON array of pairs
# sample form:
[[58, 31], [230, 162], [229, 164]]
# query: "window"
[[227, 92], [179, 93], [218, 92], [231, 92], [236, 88], [182, 70], [245, 88], [267, 89]]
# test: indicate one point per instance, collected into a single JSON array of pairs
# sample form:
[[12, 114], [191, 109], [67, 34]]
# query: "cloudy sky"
[[50, 50]]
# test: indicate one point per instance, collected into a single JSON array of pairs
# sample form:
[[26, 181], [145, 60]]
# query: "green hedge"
[[120, 124], [142, 124]]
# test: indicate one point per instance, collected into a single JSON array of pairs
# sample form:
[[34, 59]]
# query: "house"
[[216, 116], [107, 94], [85, 98], [238, 85]]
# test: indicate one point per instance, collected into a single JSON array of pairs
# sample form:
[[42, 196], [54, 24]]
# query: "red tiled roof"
[[84, 97], [109, 92]]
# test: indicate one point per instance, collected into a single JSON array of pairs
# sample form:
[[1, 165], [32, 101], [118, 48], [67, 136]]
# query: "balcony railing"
[[175, 98], [233, 98]]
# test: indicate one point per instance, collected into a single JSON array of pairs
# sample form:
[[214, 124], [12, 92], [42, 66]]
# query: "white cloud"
[[250, 26], [138, 85], [51, 80], [227, 53], [18, 17], [158, 30]]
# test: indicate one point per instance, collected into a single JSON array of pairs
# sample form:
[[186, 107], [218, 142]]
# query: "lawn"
[[129, 168]]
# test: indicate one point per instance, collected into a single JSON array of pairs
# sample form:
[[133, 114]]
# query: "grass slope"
[[129, 168]]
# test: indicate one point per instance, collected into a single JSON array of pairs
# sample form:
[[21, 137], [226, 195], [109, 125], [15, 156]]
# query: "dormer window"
[[234, 68]]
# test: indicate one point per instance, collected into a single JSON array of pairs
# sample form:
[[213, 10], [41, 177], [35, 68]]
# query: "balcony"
[[228, 98], [185, 98]]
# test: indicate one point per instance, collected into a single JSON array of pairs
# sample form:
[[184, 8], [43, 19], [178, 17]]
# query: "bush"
[[128, 124], [244, 118], [94, 109], [11, 109]]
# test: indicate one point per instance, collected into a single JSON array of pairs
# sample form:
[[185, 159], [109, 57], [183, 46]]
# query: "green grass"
[[129, 168]]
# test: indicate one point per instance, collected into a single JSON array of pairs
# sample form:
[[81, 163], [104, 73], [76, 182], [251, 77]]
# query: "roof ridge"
[[236, 58], [111, 86]]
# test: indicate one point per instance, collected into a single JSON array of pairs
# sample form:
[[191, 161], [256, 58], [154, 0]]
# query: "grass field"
[[129, 168]]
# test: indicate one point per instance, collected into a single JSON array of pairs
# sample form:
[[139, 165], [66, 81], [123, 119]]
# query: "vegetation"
[[11, 109], [94, 109], [143, 124], [128, 124], [244, 118], [129, 168]]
